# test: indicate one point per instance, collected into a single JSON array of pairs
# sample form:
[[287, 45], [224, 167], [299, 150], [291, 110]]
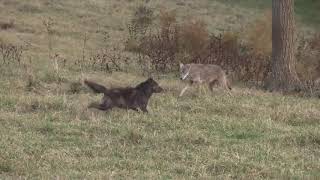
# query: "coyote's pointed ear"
[[181, 65]]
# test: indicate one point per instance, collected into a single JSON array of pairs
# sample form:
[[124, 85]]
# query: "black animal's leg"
[[102, 107], [93, 105], [144, 108], [135, 109]]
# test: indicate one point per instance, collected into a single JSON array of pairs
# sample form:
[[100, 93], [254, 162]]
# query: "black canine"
[[126, 98]]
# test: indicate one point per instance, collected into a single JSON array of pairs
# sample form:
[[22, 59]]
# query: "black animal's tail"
[[97, 88]]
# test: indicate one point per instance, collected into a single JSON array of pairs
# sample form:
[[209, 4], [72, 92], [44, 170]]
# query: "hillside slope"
[[72, 19]]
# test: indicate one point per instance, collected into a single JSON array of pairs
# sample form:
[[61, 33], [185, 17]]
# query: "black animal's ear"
[[150, 79]]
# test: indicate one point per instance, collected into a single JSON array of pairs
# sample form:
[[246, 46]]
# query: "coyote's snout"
[[203, 73]]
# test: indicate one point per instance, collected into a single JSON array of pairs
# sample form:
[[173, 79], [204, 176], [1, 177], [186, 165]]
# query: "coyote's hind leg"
[[212, 84]]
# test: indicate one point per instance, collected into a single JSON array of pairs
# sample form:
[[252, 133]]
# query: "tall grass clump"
[[49, 24], [10, 53], [105, 59], [141, 21], [308, 63], [259, 34], [6, 25]]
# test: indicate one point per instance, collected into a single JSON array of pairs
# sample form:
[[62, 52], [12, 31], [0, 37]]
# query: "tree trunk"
[[283, 76]]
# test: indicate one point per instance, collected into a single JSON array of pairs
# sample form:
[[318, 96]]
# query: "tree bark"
[[283, 76]]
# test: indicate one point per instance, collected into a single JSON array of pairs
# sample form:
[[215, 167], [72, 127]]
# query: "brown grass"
[[259, 34]]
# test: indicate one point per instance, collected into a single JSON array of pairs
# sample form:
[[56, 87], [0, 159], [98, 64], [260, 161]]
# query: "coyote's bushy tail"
[[97, 88]]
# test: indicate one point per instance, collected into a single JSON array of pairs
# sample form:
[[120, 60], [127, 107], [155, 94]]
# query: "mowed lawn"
[[47, 132]]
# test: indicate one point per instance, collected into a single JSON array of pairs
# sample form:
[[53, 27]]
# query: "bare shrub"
[[157, 48], [105, 59], [161, 51], [55, 58], [52, 77], [259, 34], [10, 53], [162, 46], [142, 19], [243, 60], [167, 20], [75, 87], [308, 63], [315, 42], [96, 61], [5, 25], [227, 51], [194, 37], [308, 56], [140, 22], [49, 24], [32, 83]]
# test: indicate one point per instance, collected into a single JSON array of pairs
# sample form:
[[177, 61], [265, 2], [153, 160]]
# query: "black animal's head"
[[149, 86], [155, 87]]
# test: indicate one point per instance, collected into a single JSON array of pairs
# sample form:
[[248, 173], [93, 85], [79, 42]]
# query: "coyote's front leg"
[[184, 90]]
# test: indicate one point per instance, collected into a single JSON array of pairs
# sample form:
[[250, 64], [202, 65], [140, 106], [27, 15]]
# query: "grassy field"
[[47, 132]]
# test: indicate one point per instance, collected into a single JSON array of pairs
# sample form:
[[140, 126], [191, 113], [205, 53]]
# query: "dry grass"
[[260, 34]]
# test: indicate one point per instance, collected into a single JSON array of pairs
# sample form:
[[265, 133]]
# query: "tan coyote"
[[203, 73]]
